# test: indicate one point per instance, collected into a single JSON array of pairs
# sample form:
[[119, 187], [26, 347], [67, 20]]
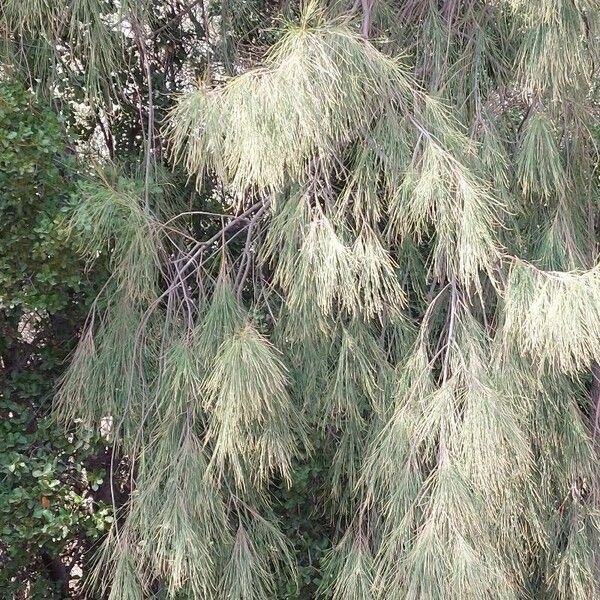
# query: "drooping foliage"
[[359, 250]]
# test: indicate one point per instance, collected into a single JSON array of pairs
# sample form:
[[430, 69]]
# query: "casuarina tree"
[[361, 235]]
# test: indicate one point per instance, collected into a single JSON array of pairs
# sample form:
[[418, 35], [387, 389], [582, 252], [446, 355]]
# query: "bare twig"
[[246, 258], [367, 9]]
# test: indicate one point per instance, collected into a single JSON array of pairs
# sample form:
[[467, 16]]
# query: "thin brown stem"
[[367, 9]]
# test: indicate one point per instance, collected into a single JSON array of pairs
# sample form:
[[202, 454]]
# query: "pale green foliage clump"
[[269, 123], [181, 512], [464, 213], [252, 418], [222, 318], [354, 563], [111, 218], [556, 53], [106, 354], [539, 163], [554, 316], [360, 277], [105, 377], [358, 387], [248, 575]]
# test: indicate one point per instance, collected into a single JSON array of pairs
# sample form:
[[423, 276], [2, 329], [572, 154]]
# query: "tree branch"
[[367, 9]]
